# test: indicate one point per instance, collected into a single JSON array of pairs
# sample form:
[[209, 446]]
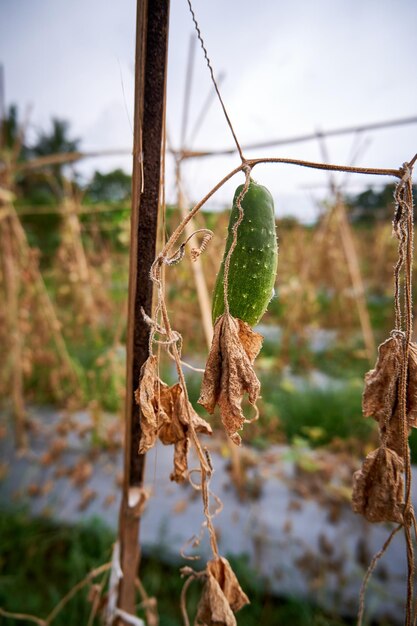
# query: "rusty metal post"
[[150, 90]]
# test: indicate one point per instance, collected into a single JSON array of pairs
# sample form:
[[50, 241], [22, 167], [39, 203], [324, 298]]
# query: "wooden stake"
[[352, 260], [150, 89], [11, 278], [355, 274], [72, 240], [196, 268]]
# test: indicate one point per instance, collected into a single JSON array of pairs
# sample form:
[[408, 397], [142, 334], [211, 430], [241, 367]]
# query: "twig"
[[72, 592], [370, 570], [192, 575], [23, 616], [149, 604], [58, 608]]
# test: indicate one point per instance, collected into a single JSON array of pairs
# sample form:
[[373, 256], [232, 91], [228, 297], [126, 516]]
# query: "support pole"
[[150, 89]]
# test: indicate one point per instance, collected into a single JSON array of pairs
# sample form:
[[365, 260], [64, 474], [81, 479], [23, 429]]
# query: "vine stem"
[[206, 470], [251, 163], [93, 574], [409, 241], [370, 570]]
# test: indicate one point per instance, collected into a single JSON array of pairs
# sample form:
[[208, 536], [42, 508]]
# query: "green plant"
[[322, 415]]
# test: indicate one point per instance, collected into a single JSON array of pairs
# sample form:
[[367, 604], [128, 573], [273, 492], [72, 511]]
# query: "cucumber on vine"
[[253, 264]]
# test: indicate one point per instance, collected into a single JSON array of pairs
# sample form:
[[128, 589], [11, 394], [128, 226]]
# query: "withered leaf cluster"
[[166, 414], [229, 372], [222, 595], [378, 486], [380, 396]]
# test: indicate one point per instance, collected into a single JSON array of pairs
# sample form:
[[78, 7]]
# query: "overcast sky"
[[290, 68]]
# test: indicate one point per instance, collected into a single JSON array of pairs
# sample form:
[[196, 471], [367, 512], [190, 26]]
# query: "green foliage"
[[10, 131], [40, 187], [342, 361], [55, 141], [372, 205], [328, 414], [41, 561], [43, 229], [114, 186], [290, 411], [381, 312], [102, 370], [113, 191]]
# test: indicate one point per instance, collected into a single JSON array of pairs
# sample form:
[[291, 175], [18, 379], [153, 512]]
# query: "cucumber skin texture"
[[253, 264]]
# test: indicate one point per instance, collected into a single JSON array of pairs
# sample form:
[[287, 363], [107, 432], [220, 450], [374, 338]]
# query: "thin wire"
[[197, 28]]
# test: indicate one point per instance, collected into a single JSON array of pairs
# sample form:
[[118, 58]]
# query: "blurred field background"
[[64, 276], [64, 271], [64, 264]]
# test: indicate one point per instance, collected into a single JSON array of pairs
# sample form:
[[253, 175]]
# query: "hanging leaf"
[[390, 432], [378, 487], [412, 386], [213, 608], [380, 393], [147, 396], [382, 389], [166, 413], [175, 429], [221, 569], [222, 596], [229, 372]]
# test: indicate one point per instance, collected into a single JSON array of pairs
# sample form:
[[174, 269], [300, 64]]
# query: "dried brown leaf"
[[378, 487], [210, 388], [380, 392], [221, 570], [391, 432], [412, 387], [222, 596], [147, 396], [178, 412], [380, 396], [34, 490], [213, 608], [229, 372], [87, 496], [251, 341], [166, 413], [81, 472], [171, 430], [144, 396]]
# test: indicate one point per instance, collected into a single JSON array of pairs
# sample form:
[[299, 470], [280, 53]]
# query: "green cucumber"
[[253, 264]]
